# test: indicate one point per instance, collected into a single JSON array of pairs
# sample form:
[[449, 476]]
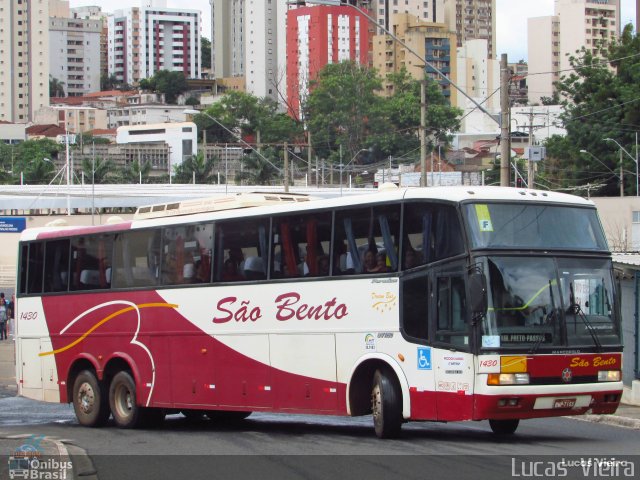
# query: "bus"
[[426, 304]]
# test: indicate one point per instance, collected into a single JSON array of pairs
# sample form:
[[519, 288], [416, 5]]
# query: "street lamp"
[[190, 111], [605, 166], [635, 159]]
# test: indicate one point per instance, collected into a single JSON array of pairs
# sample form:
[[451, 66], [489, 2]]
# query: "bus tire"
[[224, 416], [122, 399], [386, 405], [504, 427], [90, 401]]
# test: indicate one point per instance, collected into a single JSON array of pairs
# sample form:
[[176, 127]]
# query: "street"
[[303, 446]]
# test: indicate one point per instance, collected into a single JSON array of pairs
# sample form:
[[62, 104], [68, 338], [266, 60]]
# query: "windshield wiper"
[[577, 312]]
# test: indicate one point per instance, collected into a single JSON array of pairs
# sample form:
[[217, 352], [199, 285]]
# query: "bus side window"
[[35, 269], [236, 242], [136, 261], [56, 268]]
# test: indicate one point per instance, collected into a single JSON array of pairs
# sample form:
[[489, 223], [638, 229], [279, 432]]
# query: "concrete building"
[[591, 24], [74, 119], [249, 40], [143, 114], [479, 76], [227, 38], [74, 54], [143, 41], [472, 19], [12, 133], [265, 48], [383, 10], [24, 59], [317, 36], [96, 13], [433, 42], [180, 137]]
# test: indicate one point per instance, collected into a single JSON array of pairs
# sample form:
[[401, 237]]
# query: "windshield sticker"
[[491, 341], [484, 218]]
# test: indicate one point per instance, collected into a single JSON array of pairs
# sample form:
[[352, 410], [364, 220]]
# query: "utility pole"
[[505, 123], [309, 156], [530, 171], [423, 133], [286, 167]]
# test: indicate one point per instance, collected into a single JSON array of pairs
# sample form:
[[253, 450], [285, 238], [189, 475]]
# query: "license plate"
[[564, 403]]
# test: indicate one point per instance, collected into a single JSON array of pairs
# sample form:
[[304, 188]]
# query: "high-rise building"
[[265, 26], [143, 41], [317, 36], [227, 38], [24, 59], [591, 24], [383, 10], [433, 42], [74, 54], [472, 19], [96, 13]]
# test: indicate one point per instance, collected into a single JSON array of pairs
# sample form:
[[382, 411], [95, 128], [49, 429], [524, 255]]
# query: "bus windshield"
[[545, 302], [536, 226]]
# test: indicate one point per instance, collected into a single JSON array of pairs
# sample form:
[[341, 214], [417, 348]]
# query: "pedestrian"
[[3, 317], [12, 313]]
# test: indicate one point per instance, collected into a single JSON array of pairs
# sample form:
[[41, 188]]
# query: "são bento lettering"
[[288, 306]]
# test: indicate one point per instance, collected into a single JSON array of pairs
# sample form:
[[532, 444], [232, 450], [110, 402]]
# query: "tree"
[[205, 52], [196, 167], [171, 84], [101, 171], [135, 171], [343, 108], [600, 100], [258, 171], [56, 87], [108, 82]]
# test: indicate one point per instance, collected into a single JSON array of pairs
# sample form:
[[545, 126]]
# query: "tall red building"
[[319, 35]]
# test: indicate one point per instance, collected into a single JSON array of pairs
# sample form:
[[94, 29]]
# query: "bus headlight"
[[609, 376], [508, 379]]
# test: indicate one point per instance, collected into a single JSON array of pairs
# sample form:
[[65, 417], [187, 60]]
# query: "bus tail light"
[[508, 379], [609, 376]]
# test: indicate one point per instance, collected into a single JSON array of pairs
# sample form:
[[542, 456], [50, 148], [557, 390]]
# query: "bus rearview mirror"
[[478, 294]]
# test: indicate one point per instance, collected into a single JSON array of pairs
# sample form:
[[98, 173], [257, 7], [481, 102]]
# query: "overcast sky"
[[511, 22]]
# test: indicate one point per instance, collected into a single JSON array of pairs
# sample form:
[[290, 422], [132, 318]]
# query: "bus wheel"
[[90, 400], [386, 406], [226, 416], [122, 399], [504, 427]]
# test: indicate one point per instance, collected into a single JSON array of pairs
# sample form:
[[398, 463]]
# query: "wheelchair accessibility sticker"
[[424, 358]]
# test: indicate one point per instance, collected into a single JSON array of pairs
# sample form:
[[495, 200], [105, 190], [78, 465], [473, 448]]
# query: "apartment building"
[[433, 42], [24, 59], [472, 19], [73, 119], [143, 41], [74, 54], [227, 33], [95, 13], [592, 24], [318, 36]]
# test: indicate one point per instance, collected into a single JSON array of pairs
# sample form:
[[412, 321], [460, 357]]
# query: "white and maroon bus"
[[440, 304]]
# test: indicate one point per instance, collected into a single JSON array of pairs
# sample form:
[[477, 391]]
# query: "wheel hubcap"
[[86, 398], [124, 403], [376, 404]]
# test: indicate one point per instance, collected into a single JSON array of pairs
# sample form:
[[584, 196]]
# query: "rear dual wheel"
[[90, 401]]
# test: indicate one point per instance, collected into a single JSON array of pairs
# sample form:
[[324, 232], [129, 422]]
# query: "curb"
[[81, 464], [615, 420]]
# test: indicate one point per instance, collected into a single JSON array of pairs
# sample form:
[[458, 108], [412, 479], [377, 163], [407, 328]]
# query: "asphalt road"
[[299, 446]]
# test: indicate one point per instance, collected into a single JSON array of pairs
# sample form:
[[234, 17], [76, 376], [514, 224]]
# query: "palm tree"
[[102, 170], [258, 171], [56, 87], [198, 165], [39, 171], [136, 171]]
